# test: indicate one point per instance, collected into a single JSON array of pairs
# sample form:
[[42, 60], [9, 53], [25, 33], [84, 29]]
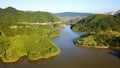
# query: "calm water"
[[71, 56]]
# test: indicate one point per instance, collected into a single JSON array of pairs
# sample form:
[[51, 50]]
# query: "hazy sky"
[[92, 6]]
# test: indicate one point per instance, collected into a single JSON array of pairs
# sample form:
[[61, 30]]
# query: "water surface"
[[71, 56]]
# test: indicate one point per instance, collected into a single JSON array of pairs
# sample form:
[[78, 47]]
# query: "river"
[[71, 56]]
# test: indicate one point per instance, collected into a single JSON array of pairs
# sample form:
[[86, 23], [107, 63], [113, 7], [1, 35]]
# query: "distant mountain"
[[73, 14], [67, 16], [31, 11]]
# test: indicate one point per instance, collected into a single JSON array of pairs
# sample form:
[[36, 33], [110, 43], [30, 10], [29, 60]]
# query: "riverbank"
[[31, 59], [45, 57], [33, 42], [80, 54], [117, 49], [88, 41], [100, 39], [96, 47], [70, 55]]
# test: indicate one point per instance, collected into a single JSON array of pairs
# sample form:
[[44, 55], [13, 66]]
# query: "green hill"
[[104, 29], [19, 38], [11, 15], [97, 23], [32, 42]]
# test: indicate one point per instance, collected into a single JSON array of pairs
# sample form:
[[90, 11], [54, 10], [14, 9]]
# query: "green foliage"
[[98, 23], [104, 28], [33, 42], [115, 41], [10, 16], [86, 41], [75, 20], [4, 45]]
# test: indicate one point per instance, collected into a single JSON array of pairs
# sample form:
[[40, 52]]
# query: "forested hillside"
[[11, 15], [104, 30], [20, 38], [98, 22]]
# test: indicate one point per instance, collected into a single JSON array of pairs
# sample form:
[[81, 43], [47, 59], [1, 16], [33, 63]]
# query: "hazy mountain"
[[67, 16], [30, 11]]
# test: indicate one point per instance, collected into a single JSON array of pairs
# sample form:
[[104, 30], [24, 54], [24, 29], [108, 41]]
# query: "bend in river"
[[72, 56]]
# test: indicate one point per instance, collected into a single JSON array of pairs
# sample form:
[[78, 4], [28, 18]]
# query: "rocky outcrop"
[[113, 13]]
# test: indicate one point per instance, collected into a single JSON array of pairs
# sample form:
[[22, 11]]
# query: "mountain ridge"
[[12, 15], [67, 16]]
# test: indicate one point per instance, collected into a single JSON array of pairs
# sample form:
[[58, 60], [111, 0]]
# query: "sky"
[[55, 6]]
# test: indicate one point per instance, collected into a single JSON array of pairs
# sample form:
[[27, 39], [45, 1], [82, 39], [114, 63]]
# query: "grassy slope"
[[33, 42]]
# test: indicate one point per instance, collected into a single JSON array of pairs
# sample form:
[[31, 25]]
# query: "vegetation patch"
[[33, 42], [28, 34], [101, 31]]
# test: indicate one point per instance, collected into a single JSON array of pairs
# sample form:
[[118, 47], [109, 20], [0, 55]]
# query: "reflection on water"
[[114, 53], [71, 56]]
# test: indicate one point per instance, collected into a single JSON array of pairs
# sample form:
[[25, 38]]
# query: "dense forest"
[[98, 22], [32, 41], [10, 16], [74, 21], [102, 30]]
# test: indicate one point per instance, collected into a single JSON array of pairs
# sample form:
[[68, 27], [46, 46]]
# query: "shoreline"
[[45, 57], [86, 46], [48, 55], [12, 61], [96, 47], [117, 49], [35, 59]]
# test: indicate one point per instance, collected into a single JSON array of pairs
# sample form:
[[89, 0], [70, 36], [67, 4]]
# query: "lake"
[[71, 56]]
